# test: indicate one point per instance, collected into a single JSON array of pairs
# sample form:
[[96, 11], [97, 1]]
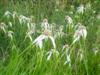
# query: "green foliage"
[[18, 54]]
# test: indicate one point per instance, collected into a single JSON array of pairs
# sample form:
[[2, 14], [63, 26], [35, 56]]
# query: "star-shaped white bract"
[[45, 35]]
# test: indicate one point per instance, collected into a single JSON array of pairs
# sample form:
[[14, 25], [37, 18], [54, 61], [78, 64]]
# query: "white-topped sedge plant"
[[80, 32], [45, 35]]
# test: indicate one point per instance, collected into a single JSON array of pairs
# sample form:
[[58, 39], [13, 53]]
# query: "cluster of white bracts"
[[48, 31], [4, 28], [45, 35], [80, 32]]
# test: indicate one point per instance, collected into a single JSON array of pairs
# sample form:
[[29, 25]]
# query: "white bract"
[[68, 60], [24, 19], [7, 14], [45, 35], [59, 32], [10, 34], [31, 30], [45, 24], [80, 9], [80, 32], [69, 19], [3, 27]]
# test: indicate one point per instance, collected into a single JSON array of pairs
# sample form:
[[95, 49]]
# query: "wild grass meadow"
[[49, 37]]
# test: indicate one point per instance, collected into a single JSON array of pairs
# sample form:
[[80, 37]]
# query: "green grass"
[[19, 56]]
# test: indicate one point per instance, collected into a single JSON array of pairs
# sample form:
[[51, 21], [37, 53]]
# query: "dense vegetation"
[[49, 37]]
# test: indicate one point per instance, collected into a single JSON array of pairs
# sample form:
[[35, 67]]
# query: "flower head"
[[80, 9], [3, 27], [31, 30], [59, 32], [24, 19], [7, 14], [80, 32], [69, 19], [45, 35], [45, 24], [10, 34]]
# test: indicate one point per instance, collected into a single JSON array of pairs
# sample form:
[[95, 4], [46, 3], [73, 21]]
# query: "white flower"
[[7, 14], [59, 32], [31, 27], [80, 32], [69, 19], [31, 30], [53, 28], [76, 36], [67, 53], [45, 35], [83, 31], [24, 19], [39, 41], [3, 27], [45, 24], [80, 9], [10, 34], [65, 50]]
